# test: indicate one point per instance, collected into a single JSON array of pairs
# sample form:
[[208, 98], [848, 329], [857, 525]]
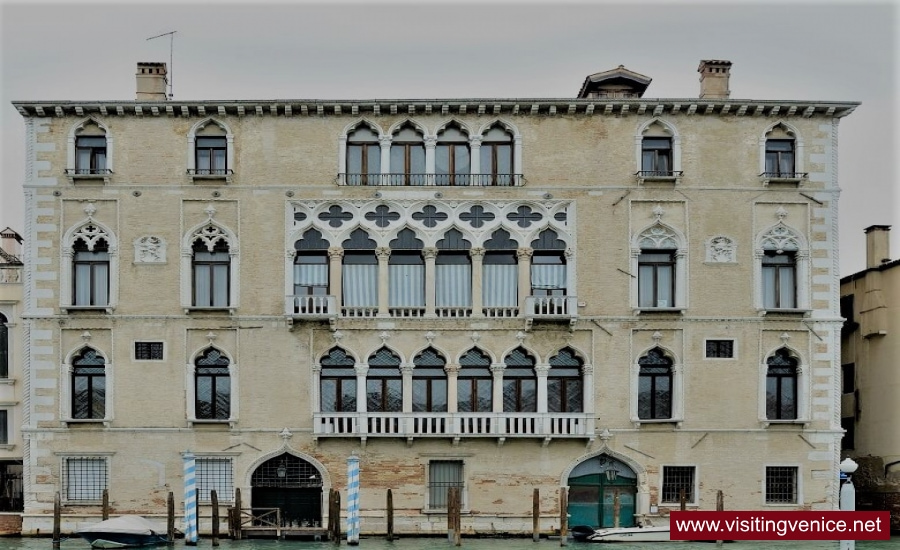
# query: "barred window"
[[443, 474], [86, 478], [720, 349], [214, 474], [781, 484], [676, 479], [148, 351]]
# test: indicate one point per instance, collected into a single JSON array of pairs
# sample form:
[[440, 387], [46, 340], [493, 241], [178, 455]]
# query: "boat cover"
[[135, 525]]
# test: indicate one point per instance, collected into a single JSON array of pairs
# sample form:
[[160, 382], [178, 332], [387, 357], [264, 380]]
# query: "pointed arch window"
[[453, 272], [363, 157], [311, 265], [90, 154], [407, 157], [475, 382], [452, 157], [88, 385], [337, 386], [781, 155], [658, 147], [781, 274], [500, 282], [211, 267], [429, 382], [359, 273], [781, 386], [90, 267], [519, 382], [212, 383], [406, 272], [655, 386], [659, 263], [497, 157], [565, 389], [548, 265], [384, 384], [210, 151], [89, 151]]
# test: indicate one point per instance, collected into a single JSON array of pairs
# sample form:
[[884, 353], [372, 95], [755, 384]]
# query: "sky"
[[789, 50]]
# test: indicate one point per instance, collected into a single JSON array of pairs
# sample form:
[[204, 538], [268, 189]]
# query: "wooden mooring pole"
[[334, 516], [720, 507], [563, 516], [390, 515], [170, 518], [237, 513], [56, 520], [214, 499], [536, 515], [682, 499], [454, 504], [105, 510]]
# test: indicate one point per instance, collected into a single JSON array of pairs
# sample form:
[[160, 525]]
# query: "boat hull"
[[121, 540], [630, 534]]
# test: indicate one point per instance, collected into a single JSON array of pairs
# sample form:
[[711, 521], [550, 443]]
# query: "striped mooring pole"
[[353, 500], [190, 499]]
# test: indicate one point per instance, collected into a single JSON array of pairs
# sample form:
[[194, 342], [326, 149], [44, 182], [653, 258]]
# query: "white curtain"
[[360, 283], [453, 287], [407, 285], [548, 276], [310, 274], [500, 285]]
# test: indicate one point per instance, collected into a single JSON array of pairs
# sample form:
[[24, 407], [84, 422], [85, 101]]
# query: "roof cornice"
[[495, 107]]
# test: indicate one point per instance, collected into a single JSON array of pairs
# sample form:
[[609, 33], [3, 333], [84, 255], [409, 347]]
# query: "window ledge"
[[442, 511], [232, 422], [676, 421], [7, 381], [70, 421], [7, 447], [103, 176], [784, 311], [76, 309], [197, 309], [798, 178], [196, 177], [657, 176], [671, 310], [794, 422]]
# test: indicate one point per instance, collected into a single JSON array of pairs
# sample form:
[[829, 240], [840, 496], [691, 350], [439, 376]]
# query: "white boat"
[[123, 532], [630, 534]]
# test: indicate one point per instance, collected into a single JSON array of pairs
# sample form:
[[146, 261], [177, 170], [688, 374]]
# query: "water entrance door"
[[292, 485]]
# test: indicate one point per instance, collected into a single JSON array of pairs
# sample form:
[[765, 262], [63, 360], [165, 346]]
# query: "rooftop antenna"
[[171, 36]]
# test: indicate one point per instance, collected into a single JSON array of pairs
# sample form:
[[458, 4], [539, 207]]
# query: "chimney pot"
[[151, 81], [878, 245], [714, 76]]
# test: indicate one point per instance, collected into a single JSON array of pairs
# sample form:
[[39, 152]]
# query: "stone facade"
[[12, 357], [312, 364]]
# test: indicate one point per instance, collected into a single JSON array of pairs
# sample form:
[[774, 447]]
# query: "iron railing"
[[784, 175], [650, 174], [88, 171], [220, 172]]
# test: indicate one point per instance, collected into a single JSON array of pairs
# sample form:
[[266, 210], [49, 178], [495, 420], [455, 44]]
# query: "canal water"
[[467, 544]]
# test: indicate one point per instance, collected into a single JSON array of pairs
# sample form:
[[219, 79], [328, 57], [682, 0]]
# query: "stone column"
[[362, 369], [587, 388], [497, 370], [335, 281], [477, 255], [430, 143], [524, 256], [452, 371], [407, 371], [541, 371], [430, 254], [385, 143], [383, 253], [475, 158]]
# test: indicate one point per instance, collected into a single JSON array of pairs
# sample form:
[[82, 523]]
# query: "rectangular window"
[[720, 349], [675, 480], [90, 155], [780, 158], [85, 478], [148, 351], [443, 474], [848, 378], [656, 278], [4, 427], [214, 474], [91, 270], [211, 156], [781, 485], [779, 280], [656, 156]]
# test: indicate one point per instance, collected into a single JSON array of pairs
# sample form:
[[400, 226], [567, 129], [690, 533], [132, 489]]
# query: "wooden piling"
[[237, 513], [454, 523], [170, 518], [682, 499], [390, 515], [536, 515], [563, 516], [105, 508], [334, 516], [214, 500], [720, 507], [56, 520]]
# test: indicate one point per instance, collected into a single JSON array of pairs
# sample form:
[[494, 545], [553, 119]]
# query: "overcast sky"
[[290, 50]]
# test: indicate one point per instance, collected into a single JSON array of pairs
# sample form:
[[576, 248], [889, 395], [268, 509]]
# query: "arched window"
[[475, 383], [781, 154], [90, 148], [337, 382], [781, 386], [359, 274], [90, 284], [210, 150], [384, 385], [519, 382], [655, 386], [565, 389], [212, 384], [658, 147], [548, 265], [453, 273], [500, 282], [363, 157], [310, 272], [88, 385], [497, 156], [659, 263], [407, 157], [211, 268], [406, 273], [429, 382], [452, 157], [782, 264], [4, 347]]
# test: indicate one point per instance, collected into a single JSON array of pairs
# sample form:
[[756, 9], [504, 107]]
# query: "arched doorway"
[[602, 493], [291, 484]]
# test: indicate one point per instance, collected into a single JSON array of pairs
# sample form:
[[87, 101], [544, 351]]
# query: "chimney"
[[151, 82], [11, 242], [878, 245], [714, 75]]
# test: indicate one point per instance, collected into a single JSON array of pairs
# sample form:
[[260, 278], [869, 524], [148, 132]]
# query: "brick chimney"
[[878, 245], [714, 75], [151, 82]]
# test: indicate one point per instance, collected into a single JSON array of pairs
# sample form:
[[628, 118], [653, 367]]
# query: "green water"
[[467, 544]]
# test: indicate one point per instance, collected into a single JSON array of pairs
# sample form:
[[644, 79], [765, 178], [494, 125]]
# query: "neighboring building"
[[12, 357], [870, 346], [626, 296]]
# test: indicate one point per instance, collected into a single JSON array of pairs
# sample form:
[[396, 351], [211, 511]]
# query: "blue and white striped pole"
[[353, 500], [190, 499]]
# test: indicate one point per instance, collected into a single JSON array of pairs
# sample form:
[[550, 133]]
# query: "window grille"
[[214, 474], [286, 471], [719, 349], [676, 478], [442, 475], [86, 478], [148, 351], [781, 485]]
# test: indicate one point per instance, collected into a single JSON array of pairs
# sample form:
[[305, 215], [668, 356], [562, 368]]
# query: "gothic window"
[[780, 272], [337, 382], [90, 267], [548, 265], [384, 384], [88, 385], [89, 151], [500, 282], [475, 383], [564, 384], [658, 270], [497, 157], [658, 151], [363, 157], [781, 386], [212, 386], [211, 267], [407, 156], [311, 265], [211, 150], [655, 386], [452, 158], [359, 272], [406, 272], [519, 382], [429, 382], [453, 271], [4, 347]]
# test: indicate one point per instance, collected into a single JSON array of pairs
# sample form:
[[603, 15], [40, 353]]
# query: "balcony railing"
[[219, 172], [784, 175], [551, 307], [10, 275], [311, 307], [409, 425], [658, 175], [432, 180], [88, 172]]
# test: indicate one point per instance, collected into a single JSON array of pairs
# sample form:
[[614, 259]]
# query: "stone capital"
[[383, 252], [335, 252], [526, 252]]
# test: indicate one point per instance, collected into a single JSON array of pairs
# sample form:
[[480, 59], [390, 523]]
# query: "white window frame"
[[734, 349], [798, 489], [680, 272], [677, 390], [799, 150], [192, 154], [67, 369], [464, 493], [70, 150], [203, 497], [187, 272], [671, 132], [191, 393], [695, 490], [792, 241], [67, 257], [802, 389], [64, 476]]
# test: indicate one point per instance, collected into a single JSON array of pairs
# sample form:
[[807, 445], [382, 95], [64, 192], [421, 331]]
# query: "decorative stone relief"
[[150, 250], [721, 249]]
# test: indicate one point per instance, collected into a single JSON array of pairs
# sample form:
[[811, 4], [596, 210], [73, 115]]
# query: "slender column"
[[497, 370], [677, 391], [524, 255], [587, 388], [802, 275], [335, 281], [541, 371], [430, 254], [385, 142], [430, 143], [407, 372], [475, 156], [680, 279], [477, 255], [452, 371], [362, 369], [383, 253]]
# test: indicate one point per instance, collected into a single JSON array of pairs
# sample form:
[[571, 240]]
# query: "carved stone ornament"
[[721, 250], [150, 250]]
